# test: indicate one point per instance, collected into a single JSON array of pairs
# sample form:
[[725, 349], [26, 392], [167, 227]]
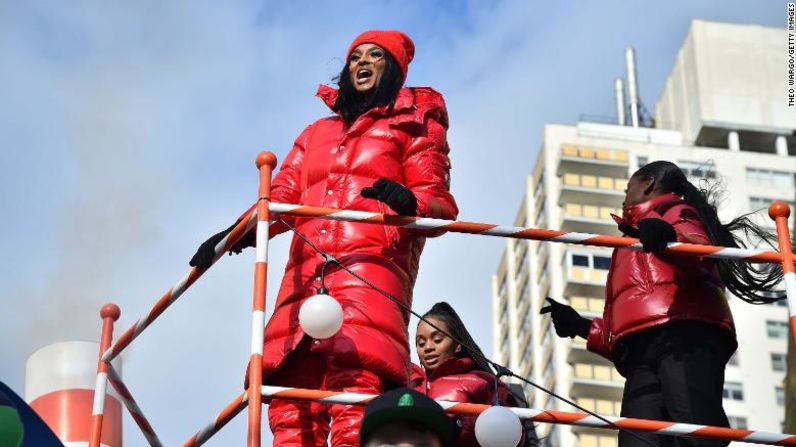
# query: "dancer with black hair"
[[383, 150], [666, 324], [454, 372]]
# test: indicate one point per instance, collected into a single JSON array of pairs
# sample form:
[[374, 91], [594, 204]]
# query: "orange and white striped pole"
[[171, 295], [537, 234], [226, 415], [552, 417], [266, 162], [109, 313], [132, 406], [780, 211]]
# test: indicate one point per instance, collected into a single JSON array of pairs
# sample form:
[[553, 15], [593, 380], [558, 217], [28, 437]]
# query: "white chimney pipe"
[[59, 386], [619, 94], [632, 85]]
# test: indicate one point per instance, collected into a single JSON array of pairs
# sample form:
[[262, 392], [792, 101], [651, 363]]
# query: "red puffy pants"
[[306, 424]]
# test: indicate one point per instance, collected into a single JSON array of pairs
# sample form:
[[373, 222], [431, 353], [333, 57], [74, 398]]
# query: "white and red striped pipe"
[[508, 231], [135, 411], [553, 417], [109, 314], [226, 415], [60, 381], [779, 212], [266, 162], [426, 223]]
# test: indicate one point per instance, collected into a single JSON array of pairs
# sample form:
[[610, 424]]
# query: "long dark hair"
[[351, 103], [443, 312], [748, 281]]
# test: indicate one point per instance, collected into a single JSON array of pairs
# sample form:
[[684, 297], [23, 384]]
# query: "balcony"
[[589, 307], [597, 381], [592, 190], [589, 218], [579, 354], [594, 161], [584, 281]]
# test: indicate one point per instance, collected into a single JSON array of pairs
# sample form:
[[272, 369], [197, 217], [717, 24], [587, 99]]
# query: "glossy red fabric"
[[649, 289], [457, 379], [328, 166], [306, 424]]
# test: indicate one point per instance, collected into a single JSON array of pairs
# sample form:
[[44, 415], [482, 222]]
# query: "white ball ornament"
[[498, 427], [321, 316]]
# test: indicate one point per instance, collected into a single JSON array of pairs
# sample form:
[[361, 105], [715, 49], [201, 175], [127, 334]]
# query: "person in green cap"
[[405, 418]]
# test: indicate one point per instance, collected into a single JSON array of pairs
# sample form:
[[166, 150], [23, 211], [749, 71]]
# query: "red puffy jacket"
[[457, 379], [649, 289], [328, 166]]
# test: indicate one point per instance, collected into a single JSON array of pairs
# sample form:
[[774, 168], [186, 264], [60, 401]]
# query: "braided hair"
[[443, 312]]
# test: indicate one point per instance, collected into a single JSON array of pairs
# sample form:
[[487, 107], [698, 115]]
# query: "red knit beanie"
[[398, 44]]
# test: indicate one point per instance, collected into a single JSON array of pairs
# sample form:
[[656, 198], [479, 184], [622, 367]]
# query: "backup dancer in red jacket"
[[452, 372], [383, 150], [666, 324]]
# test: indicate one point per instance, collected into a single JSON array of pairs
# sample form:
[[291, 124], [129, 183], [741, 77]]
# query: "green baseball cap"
[[406, 405]]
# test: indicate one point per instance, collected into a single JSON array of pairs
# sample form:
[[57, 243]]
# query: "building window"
[[770, 178], [526, 322], [502, 287], [527, 352], [523, 292], [543, 274], [602, 262], [780, 392], [521, 264], [738, 422], [762, 203], [641, 161], [504, 313], [580, 260], [700, 170], [733, 391], [778, 362], [538, 187], [541, 218], [777, 329]]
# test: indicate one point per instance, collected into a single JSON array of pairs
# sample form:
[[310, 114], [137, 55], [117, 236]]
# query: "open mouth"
[[363, 74]]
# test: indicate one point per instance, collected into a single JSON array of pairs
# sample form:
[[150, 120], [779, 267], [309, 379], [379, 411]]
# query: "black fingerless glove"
[[397, 196]]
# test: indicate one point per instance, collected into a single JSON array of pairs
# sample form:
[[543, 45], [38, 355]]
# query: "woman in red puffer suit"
[[384, 150], [666, 324], [450, 372]]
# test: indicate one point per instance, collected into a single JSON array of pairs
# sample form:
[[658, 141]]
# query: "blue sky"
[[129, 133]]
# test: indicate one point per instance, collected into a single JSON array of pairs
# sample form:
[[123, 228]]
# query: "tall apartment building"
[[722, 116]]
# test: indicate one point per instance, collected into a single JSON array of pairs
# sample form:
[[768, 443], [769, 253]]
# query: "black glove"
[[652, 232], [567, 321], [394, 194], [203, 257], [655, 233]]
